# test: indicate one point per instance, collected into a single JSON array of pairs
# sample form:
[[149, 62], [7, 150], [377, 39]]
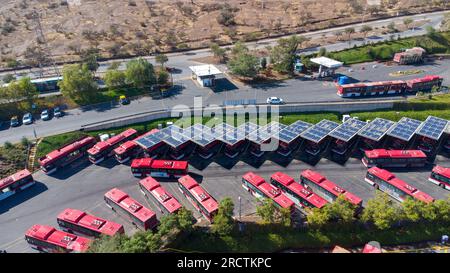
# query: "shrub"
[[8, 145], [24, 141]]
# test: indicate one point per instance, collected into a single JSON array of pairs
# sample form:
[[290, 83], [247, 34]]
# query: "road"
[[292, 91], [82, 187]]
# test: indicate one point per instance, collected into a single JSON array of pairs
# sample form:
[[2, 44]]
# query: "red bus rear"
[[387, 182], [105, 149], [15, 183], [441, 177], [65, 155], [48, 239], [394, 158], [73, 220], [152, 189], [329, 190], [139, 215], [159, 168], [198, 197], [130, 149], [300, 195]]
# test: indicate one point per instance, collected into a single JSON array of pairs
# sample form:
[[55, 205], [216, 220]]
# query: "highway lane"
[[82, 187]]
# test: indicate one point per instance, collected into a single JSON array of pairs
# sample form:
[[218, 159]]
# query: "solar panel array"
[[318, 132], [432, 127], [348, 129], [376, 129], [293, 131], [404, 129]]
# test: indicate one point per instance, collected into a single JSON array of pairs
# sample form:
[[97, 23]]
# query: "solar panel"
[[273, 128], [259, 136], [291, 132], [247, 128], [176, 136], [432, 128], [234, 136], [348, 129], [318, 132], [404, 129], [200, 134], [376, 129], [149, 141], [219, 130]]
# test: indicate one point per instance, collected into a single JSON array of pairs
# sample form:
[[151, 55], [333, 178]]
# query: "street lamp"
[[239, 208]]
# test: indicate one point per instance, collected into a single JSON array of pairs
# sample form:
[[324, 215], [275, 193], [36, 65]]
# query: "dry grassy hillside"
[[137, 27]]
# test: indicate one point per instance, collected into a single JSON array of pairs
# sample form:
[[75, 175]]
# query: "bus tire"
[[442, 186], [376, 186]]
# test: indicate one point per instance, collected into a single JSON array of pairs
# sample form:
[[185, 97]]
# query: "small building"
[[327, 66], [205, 75], [410, 56]]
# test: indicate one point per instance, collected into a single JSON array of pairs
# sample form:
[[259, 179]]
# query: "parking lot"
[[83, 185]]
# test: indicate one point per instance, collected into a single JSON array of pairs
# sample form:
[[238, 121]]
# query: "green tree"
[[283, 54], [162, 77], [318, 218], [266, 210], [223, 223], [78, 83], [407, 22], [442, 208], [284, 217], [217, 51], [244, 64], [108, 244], [239, 48], [185, 219], [168, 224], [23, 89], [365, 30], [137, 243], [380, 211], [322, 51], [140, 73], [431, 32], [412, 210], [161, 59], [342, 210], [263, 63], [114, 78], [91, 61]]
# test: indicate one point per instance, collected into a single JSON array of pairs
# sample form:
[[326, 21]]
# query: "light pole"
[[239, 208]]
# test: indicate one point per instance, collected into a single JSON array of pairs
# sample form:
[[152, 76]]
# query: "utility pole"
[[40, 38]]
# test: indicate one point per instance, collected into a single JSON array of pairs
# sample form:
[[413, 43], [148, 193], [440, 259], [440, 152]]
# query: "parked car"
[[124, 100], [274, 100], [57, 112], [27, 119], [14, 121], [45, 114]]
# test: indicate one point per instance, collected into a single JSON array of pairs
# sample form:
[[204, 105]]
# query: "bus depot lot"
[[83, 186]]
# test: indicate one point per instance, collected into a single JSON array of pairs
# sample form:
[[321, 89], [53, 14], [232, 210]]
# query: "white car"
[[27, 119], [275, 100], [45, 115]]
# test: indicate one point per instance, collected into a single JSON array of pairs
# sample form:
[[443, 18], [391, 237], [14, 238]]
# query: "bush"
[[24, 141], [8, 145]]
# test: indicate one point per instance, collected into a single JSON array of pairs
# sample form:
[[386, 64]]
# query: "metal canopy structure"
[[273, 128], [318, 132], [404, 129], [220, 130], [348, 129], [259, 136], [234, 136], [176, 136], [200, 134], [248, 128], [433, 128], [327, 62], [376, 129], [293, 131]]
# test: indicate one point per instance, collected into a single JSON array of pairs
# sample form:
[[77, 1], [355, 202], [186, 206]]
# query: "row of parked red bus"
[[75, 225], [397, 87]]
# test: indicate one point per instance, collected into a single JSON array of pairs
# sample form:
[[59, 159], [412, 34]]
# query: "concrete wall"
[[341, 107]]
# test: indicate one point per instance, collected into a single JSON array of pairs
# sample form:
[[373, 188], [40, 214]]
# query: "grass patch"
[[12, 159], [261, 238], [439, 43]]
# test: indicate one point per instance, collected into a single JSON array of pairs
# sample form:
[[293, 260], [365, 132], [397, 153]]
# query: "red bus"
[[77, 221], [153, 190], [329, 190], [130, 149], [387, 182], [15, 183], [259, 188], [48, 239], [441, 177], [105, 149], [372, 247], [372, 89], [394, 158], [123, 204], [300, 195], [159, 168], [65, 155], [424, 84], [198, 197]]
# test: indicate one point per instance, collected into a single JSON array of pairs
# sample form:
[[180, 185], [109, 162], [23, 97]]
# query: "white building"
[[327, 66], [205, 75]]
